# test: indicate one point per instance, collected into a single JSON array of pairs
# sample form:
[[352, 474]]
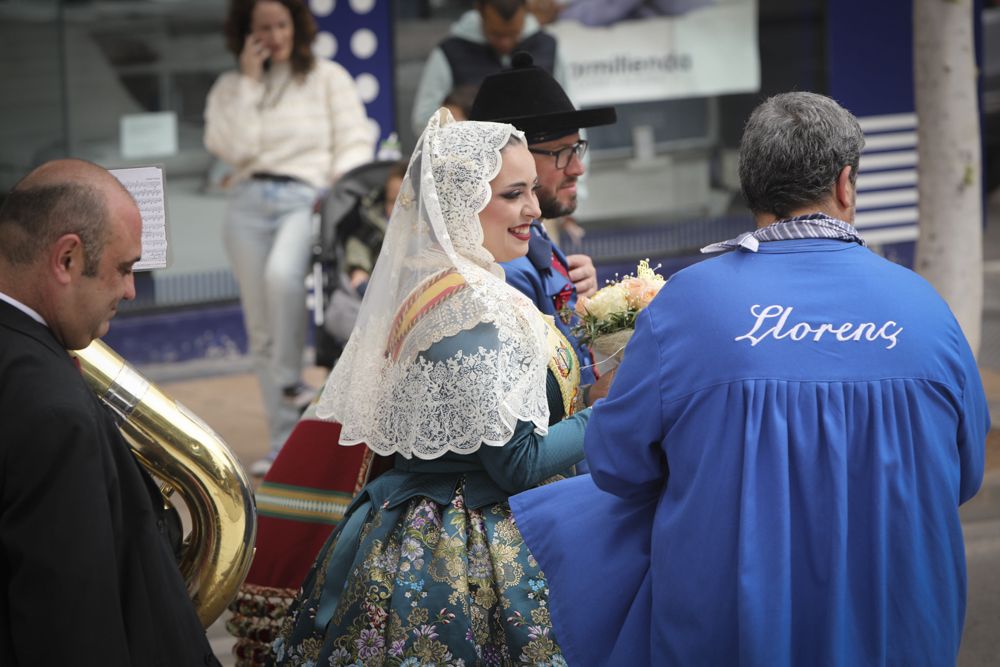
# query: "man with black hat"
[[530, 99]]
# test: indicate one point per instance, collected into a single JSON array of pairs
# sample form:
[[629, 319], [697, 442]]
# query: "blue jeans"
[[268, 237]]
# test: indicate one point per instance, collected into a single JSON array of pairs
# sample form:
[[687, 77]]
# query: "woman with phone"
[[288, 124]]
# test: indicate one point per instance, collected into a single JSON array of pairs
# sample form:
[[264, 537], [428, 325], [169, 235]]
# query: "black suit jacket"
[[87, 574]]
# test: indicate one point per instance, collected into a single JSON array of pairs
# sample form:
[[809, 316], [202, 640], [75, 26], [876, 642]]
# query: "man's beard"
[[552, 208]]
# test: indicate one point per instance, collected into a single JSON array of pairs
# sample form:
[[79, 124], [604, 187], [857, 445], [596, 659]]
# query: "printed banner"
[[709, 49]]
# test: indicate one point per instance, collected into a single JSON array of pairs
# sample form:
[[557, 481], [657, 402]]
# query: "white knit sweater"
[[312, 128]]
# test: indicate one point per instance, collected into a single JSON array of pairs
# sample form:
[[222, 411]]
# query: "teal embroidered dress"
[[428, 567]]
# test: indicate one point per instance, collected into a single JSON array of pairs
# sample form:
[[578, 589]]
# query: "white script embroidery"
[[773, 321]]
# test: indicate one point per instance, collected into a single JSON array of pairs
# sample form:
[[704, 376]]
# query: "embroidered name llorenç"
[[772, 321]]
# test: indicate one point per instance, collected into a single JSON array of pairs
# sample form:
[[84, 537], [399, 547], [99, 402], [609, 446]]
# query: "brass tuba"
[[186, 455]]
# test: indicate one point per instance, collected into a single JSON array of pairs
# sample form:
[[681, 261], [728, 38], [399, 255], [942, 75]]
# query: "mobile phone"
[[266, 65]]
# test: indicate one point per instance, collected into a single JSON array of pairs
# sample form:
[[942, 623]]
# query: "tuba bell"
[[187, 456]]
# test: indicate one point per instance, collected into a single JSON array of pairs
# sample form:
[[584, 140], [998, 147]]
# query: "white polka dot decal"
[[367, 87], [322, 7], [364, 43], [325, 45], [362, 6]]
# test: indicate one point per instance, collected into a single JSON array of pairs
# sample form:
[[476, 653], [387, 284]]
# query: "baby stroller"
[[335, 302]]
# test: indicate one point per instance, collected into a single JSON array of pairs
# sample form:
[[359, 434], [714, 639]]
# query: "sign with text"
[[710, 49], [145, 135]]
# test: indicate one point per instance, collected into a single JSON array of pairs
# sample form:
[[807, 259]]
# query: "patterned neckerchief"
[[811, 226]]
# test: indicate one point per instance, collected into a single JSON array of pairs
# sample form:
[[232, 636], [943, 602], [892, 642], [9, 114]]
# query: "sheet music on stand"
[[146, 184]]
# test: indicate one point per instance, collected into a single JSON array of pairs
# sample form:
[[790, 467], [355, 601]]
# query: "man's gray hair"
[[794, 146]]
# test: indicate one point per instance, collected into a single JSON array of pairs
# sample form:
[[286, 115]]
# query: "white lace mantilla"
[[446, 356]]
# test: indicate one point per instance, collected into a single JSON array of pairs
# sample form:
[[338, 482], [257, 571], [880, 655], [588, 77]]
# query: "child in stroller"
[[352, 222]]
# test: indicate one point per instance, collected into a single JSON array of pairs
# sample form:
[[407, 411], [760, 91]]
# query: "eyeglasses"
[[563, 155]]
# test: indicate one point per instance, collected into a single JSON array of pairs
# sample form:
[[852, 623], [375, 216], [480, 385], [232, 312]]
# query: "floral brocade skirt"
[[423, 584]]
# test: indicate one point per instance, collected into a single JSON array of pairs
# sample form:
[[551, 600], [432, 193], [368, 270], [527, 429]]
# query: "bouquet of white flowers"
[[607, 319]]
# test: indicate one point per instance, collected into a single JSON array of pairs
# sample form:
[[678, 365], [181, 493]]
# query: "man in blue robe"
[[781, 457]]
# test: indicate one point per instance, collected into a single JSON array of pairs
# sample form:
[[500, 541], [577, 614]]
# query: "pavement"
[[225, 395], [228, 399]]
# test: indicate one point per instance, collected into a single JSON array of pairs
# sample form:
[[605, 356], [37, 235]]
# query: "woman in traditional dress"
[[459, 378]]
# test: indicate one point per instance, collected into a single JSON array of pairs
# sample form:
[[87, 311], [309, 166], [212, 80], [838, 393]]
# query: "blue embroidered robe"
[[780, 463]]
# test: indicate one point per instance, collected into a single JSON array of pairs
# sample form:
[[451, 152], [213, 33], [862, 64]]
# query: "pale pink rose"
[[610, 299], [641, 292], [634, 289]]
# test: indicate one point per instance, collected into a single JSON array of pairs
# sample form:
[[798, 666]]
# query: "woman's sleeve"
[[232, 118], [352, 143], [528, 459]]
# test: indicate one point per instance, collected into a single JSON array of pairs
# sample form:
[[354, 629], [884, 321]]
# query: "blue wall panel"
[[358, 35]]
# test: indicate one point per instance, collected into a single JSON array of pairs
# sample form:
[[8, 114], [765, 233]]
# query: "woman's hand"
[[252, 57]]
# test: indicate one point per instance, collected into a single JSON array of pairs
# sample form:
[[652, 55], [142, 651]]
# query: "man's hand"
[[583, 274], [600, 388]]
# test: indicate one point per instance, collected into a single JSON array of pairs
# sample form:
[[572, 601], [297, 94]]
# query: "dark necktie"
[[542, 257]]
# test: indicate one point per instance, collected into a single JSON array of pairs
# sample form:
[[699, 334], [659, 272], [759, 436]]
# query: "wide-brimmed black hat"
[[531, 100]]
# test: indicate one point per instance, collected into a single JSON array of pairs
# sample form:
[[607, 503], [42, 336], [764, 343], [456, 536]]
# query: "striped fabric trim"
[[811, 226], [297, 503], [423, 300], [887, 179]]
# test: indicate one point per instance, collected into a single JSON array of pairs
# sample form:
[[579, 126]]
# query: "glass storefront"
[[80, 70]]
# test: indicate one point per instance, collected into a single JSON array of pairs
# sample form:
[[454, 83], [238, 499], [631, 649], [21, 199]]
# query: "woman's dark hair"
[[462, 97], [237, 27]]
